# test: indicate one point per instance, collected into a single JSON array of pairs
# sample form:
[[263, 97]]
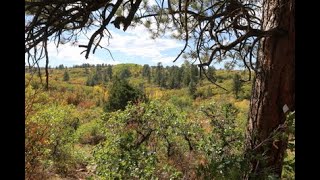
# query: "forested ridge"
[[173, 124]]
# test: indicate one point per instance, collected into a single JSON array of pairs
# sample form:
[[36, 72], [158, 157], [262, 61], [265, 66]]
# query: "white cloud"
[[137, 42], [71, 54], [134, 44], [152, 2]]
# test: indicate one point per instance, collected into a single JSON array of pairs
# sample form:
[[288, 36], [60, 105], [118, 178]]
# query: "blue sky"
[[132, 46]]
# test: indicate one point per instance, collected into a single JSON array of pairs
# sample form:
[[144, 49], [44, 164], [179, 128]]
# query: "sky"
[[135, 45], [132, 46]]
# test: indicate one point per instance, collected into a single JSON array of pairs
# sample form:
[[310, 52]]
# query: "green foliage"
[[186, 73], [158, 78], [181, 102], [192, 88], [288, 170], [140, 139], [109, 72], [208, 92], [174, 77], [236, 85], [194, 76], [126, 70], [66, 76], [211, 73], [120, 94], [95, 78], [125, 73], [90, 133], [92, 80], [246, 91], [50, 138], [146, 72], [100, 75], [183, 142], [223, 146], [61, 66]]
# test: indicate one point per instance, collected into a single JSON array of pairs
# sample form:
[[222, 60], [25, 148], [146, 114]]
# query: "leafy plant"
[[66, 76], [49, 139], [142, 140], [120, 94], [223, 146], [90, 133]]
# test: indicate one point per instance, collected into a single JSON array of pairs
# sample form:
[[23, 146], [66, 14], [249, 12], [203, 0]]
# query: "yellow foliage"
[[154, 93], [97, 90], [243, 105], [158, 94], [106, 95]]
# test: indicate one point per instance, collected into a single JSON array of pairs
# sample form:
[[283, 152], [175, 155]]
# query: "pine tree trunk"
[[274, 88]]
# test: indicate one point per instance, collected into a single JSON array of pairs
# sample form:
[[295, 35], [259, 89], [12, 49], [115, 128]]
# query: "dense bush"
[[49, 139], [147, 141], [121, 93], [223, 146]]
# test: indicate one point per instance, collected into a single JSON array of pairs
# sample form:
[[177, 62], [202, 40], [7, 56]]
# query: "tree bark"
[[273, 89]]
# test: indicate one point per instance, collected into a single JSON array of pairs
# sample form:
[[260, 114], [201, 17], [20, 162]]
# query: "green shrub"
[[120, 94], [143, 139], [223, 146], [50, 138], [90, 133], [181, 102]]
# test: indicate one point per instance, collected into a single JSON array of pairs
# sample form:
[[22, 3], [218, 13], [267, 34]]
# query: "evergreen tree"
[[146, 72], [109, 71], [192, 88], [158, 74], [174, 77], [163, 79], [125, 73], [121, 93], [186, 73], [194, 73], [61, 66], [66, 76], [236, 85]]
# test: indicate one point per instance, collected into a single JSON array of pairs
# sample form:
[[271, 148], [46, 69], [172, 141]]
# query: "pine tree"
[[236, 85], [109, 71], [192, 88], [158, 74], [121, 93], [66, 76]]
